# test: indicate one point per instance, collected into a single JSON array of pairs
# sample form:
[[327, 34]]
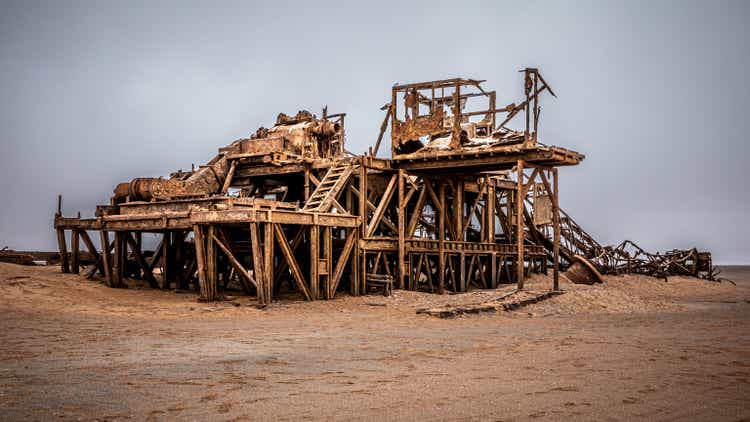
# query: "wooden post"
[[62, 244], [328, 256], [106, 261], [166, 260], [211, 270], [258, 272], [520, 194], [314, 261], [76, 249], [401, 229], [458, 209], [268, 260], [489, 207], [307, 184], [355, 261], [556, 229], [119, 259], [361, 252], [441, 239], [200, 257], [462, 276], [493, 270], [181, 281]]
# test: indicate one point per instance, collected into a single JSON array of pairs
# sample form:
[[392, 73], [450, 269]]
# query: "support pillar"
[[76, 249], [211, 269], [441, 239], [314, 261], [268, 260], [106, 257], [401, 229], [520, 194], [556, 229], [62, 244]]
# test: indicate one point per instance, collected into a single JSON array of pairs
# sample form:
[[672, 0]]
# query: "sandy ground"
[[633, 348]]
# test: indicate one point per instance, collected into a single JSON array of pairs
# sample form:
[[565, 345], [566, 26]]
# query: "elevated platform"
[[491, 158]]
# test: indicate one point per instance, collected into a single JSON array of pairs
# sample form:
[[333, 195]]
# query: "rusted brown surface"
[[466, 201]]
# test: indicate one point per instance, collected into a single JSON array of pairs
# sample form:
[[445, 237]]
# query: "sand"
[[632, 348]]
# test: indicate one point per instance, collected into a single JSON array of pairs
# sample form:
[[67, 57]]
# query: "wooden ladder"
[[330, 186]]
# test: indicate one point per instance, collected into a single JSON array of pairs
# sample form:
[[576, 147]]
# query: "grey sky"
[[655, 94]]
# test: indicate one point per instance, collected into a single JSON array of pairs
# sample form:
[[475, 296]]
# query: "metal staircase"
[[330, 187]]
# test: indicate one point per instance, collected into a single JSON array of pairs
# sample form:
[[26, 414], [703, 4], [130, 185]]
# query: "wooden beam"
[[458, 209], [283, 265], [62, 244], [417, 212], [372, 206], [119, 258], [106, 261], [441, 239], [92, 249], [384, 201], [244, 274], [363, 212], [341, 264], [211, 266], [200, 257], [291, 261], [556, 230], [258, 271], [141, 261], [401, 272], [75, 247], [268, 249], [314, 262], [228, 179], [328, 254], [520, 195]]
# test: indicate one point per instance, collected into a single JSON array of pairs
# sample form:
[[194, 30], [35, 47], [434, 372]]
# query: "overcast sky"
[[654, 93]]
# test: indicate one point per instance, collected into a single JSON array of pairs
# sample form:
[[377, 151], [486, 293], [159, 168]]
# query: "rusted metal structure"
[[464, 200]]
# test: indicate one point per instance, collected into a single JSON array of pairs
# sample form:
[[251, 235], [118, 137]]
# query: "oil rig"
[[464, 201]]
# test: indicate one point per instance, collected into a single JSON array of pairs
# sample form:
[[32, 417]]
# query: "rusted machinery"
[[465, 200]]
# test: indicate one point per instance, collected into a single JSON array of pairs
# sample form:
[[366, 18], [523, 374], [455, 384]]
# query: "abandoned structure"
[[464, 200]]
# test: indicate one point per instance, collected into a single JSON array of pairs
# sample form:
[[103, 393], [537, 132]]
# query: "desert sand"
[[632, 348]]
